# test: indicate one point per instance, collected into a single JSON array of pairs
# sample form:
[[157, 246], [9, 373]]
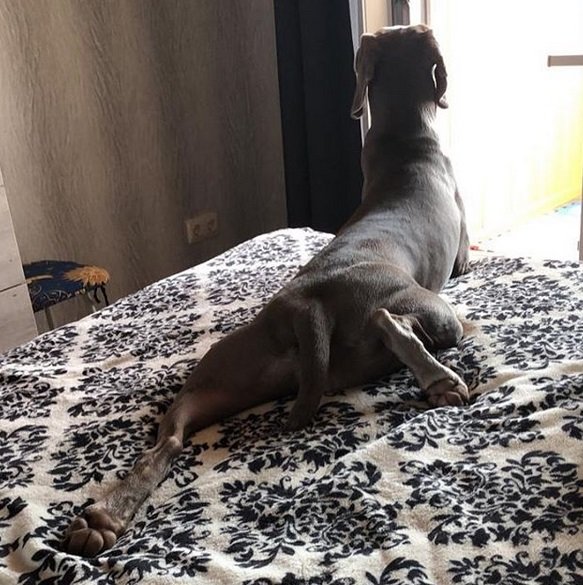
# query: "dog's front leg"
[[443, 386], [462, 260]]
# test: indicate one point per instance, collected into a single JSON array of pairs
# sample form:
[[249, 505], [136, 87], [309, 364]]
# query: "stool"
[[54, 281]]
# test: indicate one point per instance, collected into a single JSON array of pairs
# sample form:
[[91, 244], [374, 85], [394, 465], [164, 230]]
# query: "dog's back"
[[408, 182], [409, 217]]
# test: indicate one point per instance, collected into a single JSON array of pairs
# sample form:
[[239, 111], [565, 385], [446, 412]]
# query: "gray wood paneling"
[[10, 266], [17, 323], [121, 119]]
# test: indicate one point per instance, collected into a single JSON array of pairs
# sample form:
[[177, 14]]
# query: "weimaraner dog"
[[363, 307]]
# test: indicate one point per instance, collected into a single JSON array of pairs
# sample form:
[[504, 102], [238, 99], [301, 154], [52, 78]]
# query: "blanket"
[[380, 490]]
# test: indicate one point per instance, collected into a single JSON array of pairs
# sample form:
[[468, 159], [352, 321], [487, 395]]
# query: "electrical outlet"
[[202, 226]]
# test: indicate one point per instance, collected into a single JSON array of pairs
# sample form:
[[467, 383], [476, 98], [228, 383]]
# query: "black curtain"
[[321, 142]]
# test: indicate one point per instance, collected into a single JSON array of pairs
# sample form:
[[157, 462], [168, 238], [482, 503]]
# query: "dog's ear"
[[364, 65], [440, 76]]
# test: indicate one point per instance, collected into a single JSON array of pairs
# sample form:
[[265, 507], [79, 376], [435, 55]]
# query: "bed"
[[381, 490]]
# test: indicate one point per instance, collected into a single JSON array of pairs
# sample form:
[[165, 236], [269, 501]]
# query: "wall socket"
[[202, 226]]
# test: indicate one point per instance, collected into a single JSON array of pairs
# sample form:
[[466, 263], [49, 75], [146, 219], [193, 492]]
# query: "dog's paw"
[[302, 414], [464, 268], [300, 417], [92, 532], [448, 392], [296, 421]]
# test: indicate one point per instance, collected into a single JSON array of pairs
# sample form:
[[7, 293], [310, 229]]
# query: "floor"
[[552, 236]]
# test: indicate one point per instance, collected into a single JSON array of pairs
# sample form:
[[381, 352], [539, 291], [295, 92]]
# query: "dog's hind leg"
[[212, 393], [100, 524], [442, 385], [313, 338]]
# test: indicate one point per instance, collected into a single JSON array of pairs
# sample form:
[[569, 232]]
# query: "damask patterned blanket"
[[380, 490]]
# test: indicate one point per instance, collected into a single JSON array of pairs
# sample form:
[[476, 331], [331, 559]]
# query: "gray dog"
[[363, 307]]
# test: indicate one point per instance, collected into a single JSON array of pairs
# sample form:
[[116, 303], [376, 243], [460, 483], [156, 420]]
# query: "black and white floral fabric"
[[381, 490]]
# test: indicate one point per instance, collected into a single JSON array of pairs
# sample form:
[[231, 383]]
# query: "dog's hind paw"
[[448, 392], [91, 533]]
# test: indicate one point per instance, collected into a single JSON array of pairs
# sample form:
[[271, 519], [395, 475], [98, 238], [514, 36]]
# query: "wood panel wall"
[[119, 119]]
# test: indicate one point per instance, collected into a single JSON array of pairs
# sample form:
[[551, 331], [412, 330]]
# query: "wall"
[[118, 120]]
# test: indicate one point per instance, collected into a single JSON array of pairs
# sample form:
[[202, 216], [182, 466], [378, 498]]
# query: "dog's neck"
[[414, 121], [401, 116]]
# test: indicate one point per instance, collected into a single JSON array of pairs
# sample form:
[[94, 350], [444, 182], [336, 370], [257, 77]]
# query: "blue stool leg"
[[49, 317], [104, 292], [89, 300], [93, 297]]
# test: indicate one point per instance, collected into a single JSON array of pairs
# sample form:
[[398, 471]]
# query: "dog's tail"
[[312, 331]]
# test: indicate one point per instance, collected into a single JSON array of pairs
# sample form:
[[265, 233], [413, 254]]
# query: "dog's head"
[[399, 56]]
